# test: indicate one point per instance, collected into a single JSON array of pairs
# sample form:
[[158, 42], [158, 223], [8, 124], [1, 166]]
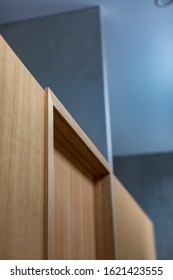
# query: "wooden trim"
[[46, 174], [78, 148], [105, 245], [69, 129], [49, 179]]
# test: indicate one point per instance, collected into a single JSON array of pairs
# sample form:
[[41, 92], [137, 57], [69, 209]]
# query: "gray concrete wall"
[[64, 52], [149, 179]]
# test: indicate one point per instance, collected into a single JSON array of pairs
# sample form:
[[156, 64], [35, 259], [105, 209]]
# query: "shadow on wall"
[[149, 178]]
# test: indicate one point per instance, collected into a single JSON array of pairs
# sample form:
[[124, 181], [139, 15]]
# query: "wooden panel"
[[74, 208], [82, 198], [21, 160], [104, 219], [134, 228]]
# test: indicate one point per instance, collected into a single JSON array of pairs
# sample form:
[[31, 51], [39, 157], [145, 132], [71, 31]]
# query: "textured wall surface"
[[64, 52], [149, 179]]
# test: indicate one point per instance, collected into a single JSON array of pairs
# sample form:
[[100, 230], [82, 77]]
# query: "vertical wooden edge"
[[105, 241], [114, 215], [49, 209], [45, 204], [114, 200]]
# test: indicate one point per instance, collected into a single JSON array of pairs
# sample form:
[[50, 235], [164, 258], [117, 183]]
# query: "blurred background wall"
[[64, 52]]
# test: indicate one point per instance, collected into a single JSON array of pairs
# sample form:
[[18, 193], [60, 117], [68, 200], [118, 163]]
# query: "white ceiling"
[[139, 53]]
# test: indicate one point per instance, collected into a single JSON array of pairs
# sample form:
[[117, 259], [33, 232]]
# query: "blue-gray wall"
[[149, 179], [64, 52]]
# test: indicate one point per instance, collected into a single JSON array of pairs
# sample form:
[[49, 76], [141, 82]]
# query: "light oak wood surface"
[[134, 228], [21, 159], [55, 186], [83, 210], [74, 208], [105, 242]]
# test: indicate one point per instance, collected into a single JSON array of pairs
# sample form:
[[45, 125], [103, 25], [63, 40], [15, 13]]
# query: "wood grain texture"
[[104, 219], [21, 160], [74, 208], [134, 228], [83, 209]]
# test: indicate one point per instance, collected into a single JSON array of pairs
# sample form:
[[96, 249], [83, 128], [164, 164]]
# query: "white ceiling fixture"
[[163, 3]]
